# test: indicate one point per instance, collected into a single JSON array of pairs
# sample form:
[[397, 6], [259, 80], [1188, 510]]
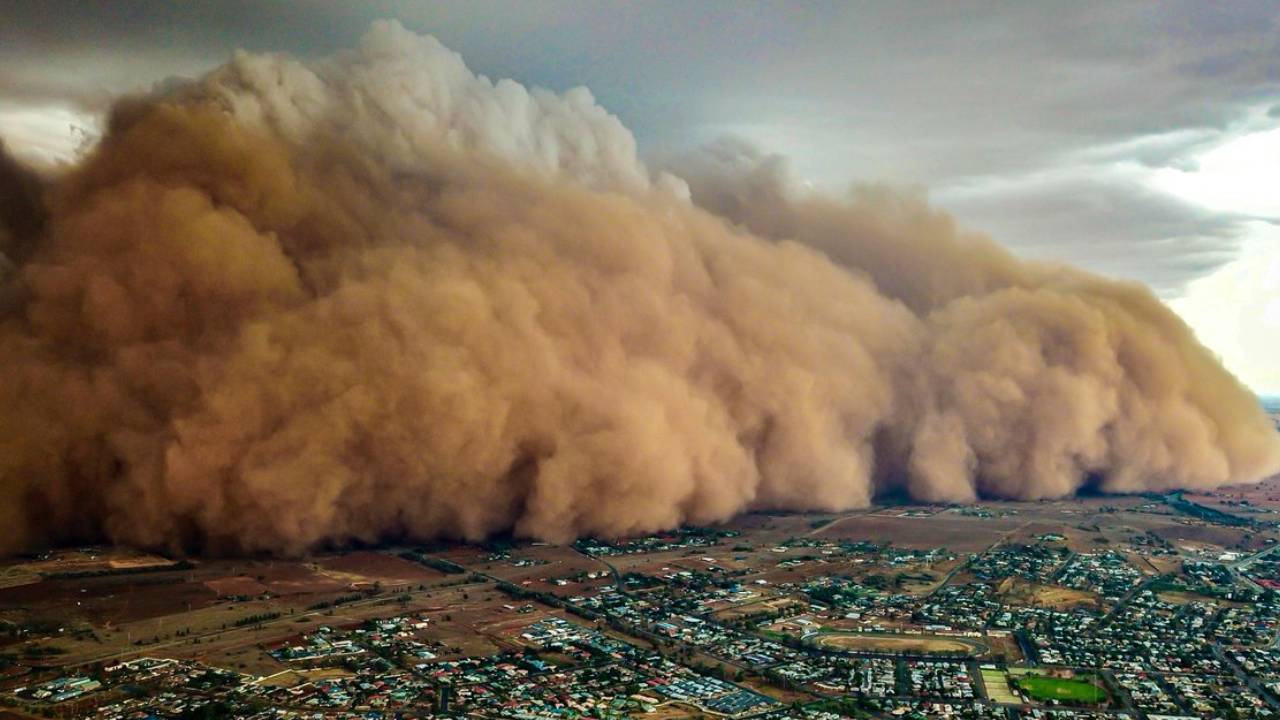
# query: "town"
[[1158, 606]]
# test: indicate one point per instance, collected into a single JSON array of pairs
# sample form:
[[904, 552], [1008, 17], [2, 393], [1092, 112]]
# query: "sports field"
[[1042, 688], [997, 684]]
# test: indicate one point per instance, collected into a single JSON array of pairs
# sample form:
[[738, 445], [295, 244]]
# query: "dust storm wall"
[[292, 305]]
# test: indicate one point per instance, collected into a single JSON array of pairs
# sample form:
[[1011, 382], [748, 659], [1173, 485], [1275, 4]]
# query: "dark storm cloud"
[[26, 90], [1023, 72]]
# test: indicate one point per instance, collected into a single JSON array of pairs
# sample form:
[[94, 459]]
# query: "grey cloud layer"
[[1103, 221]]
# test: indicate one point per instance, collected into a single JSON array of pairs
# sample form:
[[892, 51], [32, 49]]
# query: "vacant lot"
[[908, 644], [774, 605], [290, 678], [675, 711], [1021, 592]]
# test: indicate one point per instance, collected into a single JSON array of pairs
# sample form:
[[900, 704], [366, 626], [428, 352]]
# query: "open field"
[[371, 567], [1022, 592], [13, 577], [464, 624], [674, 711], [905, 644], [1039, 687], [1265, 494], [758, 606], [1227, 538], [290, 678], [106, 597], [955, 532], [94, 560]]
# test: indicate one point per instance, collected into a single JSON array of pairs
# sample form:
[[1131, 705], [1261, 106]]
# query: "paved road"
[[956, 570], [1257, 687], [1124, 601], [1118, 692], [617, 577], [842, 518], [1245, 562], [1029, 652], [1071, 555]]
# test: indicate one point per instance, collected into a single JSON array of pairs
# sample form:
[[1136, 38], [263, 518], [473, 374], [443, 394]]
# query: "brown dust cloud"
[[297, 305]]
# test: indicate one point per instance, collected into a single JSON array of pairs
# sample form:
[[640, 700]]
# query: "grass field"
[[1042, 688]]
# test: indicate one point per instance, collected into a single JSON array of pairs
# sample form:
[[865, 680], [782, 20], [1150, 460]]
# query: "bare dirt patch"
[[883, 643], [768, 605], [233, 586], [957, 533], [1227, 538], [372, 567], [1021, 592], [289, 678]]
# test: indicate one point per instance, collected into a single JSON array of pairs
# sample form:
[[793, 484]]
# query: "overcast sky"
[[1140, 140]]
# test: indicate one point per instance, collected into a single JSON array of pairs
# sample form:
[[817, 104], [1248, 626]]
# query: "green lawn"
[[1047, 688]]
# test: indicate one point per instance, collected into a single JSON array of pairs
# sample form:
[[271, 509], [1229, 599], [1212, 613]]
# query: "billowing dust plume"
[[294, 305]]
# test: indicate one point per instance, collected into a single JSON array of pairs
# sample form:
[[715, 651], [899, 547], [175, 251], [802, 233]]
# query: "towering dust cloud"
[[287, 306]]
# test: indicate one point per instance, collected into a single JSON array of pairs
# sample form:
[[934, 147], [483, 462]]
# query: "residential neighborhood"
[[779, 617]]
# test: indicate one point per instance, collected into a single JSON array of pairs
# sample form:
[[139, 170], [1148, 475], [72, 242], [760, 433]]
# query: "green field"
[[1047, 688]]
